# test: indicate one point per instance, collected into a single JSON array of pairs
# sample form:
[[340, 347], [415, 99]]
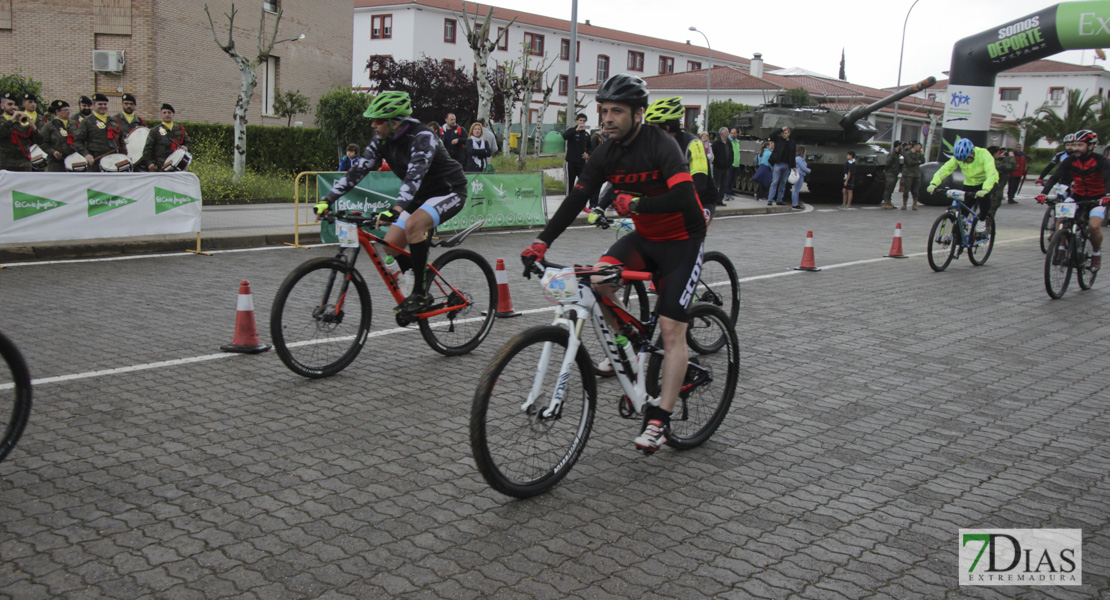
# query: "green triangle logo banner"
[[102, 202], [26, 205], [166, 200]]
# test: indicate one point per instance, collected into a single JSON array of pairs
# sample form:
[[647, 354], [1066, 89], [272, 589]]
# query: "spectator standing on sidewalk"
[[1017, 176], [722, 159], [454, 139], [762, 174], [734, 172], [1005, 164], [893, 168], [477, 150], [708, 143], [782, 160], [578, 142], [802, 169], [489, 136], [849, 179], [352, 152], [911, 172]]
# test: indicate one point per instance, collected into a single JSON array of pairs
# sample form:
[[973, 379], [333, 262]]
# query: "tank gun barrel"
[[860, 112]]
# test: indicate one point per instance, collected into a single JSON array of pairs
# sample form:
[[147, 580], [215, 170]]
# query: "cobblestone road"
[[882, 408]]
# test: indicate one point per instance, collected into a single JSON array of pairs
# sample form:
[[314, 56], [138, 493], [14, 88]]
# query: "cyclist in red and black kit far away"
[[1088, 174], [653, 185]]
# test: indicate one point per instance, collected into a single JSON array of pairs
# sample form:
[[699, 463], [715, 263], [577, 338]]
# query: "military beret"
[[8, 96], [57, 105], [98, 97], [29, 96], [166, 106], [128, 98], [84, 100]]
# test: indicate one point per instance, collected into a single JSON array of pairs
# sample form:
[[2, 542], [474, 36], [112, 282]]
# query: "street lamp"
[[895, 133], [705, 123]]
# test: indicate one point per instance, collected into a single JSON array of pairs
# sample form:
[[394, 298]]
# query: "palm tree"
[[1079, 113]]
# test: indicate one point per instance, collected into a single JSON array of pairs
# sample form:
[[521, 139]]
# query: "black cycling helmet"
[[625, 89]]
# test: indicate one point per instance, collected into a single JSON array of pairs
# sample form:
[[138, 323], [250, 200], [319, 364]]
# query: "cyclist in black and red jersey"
[[647, 168], [1088, 174], [433, 186]]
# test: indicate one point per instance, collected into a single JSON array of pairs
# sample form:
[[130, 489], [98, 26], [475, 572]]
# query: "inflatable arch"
[[977, 59]]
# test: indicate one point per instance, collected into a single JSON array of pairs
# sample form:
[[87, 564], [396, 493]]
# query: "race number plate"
[[1065, 210], [560, 285], [347, 234]]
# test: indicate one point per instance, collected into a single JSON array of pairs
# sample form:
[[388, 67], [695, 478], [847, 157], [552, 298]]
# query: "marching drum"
[[75, 162], [135, 142], [38, 157], [178, 161], [115, 163]]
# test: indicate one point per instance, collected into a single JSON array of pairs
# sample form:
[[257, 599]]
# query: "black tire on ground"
[[519, 452], [14, 372], [943, 239], [1083, 274], [1048, 227], [979, 252], [465, 272], [1058, 264], [309, 335]]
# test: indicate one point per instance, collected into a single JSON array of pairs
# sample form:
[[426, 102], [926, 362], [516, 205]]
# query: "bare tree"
[[508, 84], [477, 36], [248, 77], [529, 78], [548, 88]]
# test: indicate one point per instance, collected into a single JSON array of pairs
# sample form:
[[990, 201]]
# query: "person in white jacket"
[[802, 169]]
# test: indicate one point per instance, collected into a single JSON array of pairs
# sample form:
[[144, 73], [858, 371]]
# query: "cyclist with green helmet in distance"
[[433, 187], [654, 186], [980, 176], [666, 114]]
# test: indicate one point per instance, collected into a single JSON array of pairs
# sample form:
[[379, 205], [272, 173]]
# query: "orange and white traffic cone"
[[246, 334], [808, 262], [504, 302], [896, 245]]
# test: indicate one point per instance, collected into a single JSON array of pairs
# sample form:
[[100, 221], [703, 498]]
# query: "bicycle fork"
[[574, 341]]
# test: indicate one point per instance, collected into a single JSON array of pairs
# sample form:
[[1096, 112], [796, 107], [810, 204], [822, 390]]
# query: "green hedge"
[[273, 150]]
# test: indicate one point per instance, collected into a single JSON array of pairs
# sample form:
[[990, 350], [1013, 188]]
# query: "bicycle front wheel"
[[15, 388], [520, 451], [943, 239], [980, 250], [1058, 264], [1048, 227], [320, 319], [464, 280], [1083, 273], [711, 377], [719, 285]]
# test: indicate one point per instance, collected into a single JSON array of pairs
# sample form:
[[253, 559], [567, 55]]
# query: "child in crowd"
[[352, 152]]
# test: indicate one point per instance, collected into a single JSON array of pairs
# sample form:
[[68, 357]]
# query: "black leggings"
[[984, 202]]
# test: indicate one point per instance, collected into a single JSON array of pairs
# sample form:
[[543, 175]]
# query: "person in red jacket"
[[1088, 174], [1017, 176], [454, 139]]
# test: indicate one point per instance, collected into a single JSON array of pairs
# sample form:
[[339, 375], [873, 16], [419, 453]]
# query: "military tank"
[[828, 135]]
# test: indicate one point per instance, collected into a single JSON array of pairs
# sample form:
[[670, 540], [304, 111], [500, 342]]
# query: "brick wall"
[[171, 55]]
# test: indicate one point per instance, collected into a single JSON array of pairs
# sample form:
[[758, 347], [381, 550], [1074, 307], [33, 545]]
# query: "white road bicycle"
[[534, 406]]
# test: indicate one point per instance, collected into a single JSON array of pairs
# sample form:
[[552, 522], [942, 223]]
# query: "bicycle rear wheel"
[[711, 378], [980, 250], [1083, 273], [719, 285], [1058, 263], [519, 451], [943, 239], [1048, 227], [317, 324], [465, 279], [15, 389]]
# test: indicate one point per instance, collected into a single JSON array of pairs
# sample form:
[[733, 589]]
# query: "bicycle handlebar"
[[609, 270]]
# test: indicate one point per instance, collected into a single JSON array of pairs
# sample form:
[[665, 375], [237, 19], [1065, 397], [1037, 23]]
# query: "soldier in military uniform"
[[1004, 163], [166, 137], [911, 171], [17, 135], [84, 109], [893, 168], [128, 120], [57, 138], [30, 107], [99, 134]]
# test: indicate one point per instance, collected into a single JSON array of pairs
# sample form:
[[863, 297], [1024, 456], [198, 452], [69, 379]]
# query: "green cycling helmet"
[[389, 105], [665, 109]]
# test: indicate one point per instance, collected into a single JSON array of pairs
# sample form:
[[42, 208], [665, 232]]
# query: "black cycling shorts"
[[675, 266]]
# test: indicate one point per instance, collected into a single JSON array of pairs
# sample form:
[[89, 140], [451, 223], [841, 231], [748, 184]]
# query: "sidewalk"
[[250, 226]]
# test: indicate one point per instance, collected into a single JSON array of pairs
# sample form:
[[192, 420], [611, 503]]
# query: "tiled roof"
[[524, 18]]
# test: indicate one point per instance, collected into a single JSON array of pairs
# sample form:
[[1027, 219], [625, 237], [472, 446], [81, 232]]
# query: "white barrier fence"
[[41, 207]]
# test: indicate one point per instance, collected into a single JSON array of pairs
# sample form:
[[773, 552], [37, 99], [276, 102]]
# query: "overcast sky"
[[810, 33]]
